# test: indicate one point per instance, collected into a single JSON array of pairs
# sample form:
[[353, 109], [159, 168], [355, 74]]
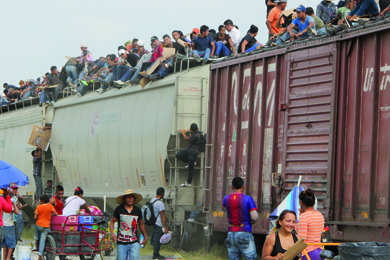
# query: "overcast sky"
[[37, 34]]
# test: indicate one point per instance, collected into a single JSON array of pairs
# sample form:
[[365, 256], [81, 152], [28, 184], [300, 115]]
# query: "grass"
[[28, 233], [217, 253]]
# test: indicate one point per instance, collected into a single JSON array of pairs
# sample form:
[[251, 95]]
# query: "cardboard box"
[[39, 137]]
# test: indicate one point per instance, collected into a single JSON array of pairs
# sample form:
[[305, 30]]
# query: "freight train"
[[317, 108]]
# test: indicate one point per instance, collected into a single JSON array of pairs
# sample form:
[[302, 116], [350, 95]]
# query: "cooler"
[[85, 220], [58, 222]]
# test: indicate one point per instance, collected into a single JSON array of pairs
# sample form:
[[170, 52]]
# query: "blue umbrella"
[[9, 173], [291, 202]]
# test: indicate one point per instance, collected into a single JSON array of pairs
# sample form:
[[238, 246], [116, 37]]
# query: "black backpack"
[[152, 218], [202, 143]]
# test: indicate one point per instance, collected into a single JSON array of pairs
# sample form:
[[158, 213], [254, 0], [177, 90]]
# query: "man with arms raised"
[[129, 217], [241, 212]]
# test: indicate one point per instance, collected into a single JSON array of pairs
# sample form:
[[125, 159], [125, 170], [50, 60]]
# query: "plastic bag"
[[165, 239], [365, 251]]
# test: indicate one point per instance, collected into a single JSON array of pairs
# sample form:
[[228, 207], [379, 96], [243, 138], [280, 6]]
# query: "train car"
[[319, 109]]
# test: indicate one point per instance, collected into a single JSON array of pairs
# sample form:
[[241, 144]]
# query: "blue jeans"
[[222, 50], [38, 186], [253, 47], [119, 71], [72, 73], [206, 53], [128, 251], [28, 94], [43, 97], [4, 101], [163, 72], [107, 81], [20, 227], [128, 75], [41, 235], [241, 243], [52, 94], [9, 237], [322, 31]]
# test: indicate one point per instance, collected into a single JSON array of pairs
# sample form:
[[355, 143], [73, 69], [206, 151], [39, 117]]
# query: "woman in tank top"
[[281, 237]]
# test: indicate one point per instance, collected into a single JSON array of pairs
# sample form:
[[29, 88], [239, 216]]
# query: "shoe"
[[156, 77], [136, 80], [204, 61], [79, 94], [258, 47], [197, 58], [187, 165], [214, 57], [47, 102], [186, 184], [119, 82], [20, 240], [85, 83], [100, 91], [330, 31], [311, 31], [181, 56], [159, 257]]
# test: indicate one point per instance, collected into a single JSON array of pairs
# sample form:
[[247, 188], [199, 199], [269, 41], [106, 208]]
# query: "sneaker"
[[79, 94], [197, 58], [119, 82], [100, 91], [85, 83], [186, 184], [187, 165], [311, 31], [204, 61]]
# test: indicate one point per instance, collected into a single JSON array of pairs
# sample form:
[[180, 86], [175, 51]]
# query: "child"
[[42, 226]]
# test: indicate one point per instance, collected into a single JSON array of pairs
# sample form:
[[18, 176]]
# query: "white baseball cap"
[[140, 43]]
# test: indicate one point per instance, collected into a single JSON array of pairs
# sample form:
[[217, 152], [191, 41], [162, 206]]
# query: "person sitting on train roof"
[[249, 42], [343, 11], [157, 53], [224, 42], [132, 59], [273, 16], [74, 203], [106, 77], [195, 33], [363, 8], [53, 79], [13, 95], [8, 86], [281, 237], [234, 33], [318, 23], [121, 66], [166, 65], [326, 11], [304, 23], [182, 44], [132, 44], [203, 45]]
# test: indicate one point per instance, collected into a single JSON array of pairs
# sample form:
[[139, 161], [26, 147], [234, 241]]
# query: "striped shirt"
[[310, 226]]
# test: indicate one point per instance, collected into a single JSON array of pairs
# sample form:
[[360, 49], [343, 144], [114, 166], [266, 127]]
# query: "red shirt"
[[6, 206], [59, 205]]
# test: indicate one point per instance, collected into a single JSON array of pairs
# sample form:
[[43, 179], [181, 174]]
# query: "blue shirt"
[[365, 7], [303, 26], [201, 44], [238, 207]]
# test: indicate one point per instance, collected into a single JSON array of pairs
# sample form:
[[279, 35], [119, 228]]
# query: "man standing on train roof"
[[57, 200], [241, 213], [189, 155], [128, 217]]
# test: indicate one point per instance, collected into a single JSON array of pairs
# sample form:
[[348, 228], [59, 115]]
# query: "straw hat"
[[138, 197]]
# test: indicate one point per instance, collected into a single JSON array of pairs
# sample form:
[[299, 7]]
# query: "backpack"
[[202, 143], [148, 213]]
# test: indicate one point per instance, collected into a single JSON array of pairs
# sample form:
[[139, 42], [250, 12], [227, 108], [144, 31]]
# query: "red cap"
[[196, 30]]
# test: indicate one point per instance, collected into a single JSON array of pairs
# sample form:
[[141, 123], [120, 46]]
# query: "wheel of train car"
[[187, 236], [49, 245], [107, 248]]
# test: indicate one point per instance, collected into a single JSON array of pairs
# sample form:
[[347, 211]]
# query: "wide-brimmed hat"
[[120, 199], [13, 185]]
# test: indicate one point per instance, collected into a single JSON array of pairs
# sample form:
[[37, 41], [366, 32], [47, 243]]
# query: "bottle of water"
[[141, 240]]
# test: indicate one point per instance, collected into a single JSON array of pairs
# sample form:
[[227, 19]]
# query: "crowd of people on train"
[[133, 62]]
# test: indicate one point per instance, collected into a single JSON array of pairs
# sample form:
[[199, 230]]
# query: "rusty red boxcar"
[[319, 109]]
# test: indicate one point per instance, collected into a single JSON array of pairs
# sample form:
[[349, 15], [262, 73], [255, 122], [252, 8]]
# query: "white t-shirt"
[[236, 37], [8, 218], [72, 205], [158, 206]]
